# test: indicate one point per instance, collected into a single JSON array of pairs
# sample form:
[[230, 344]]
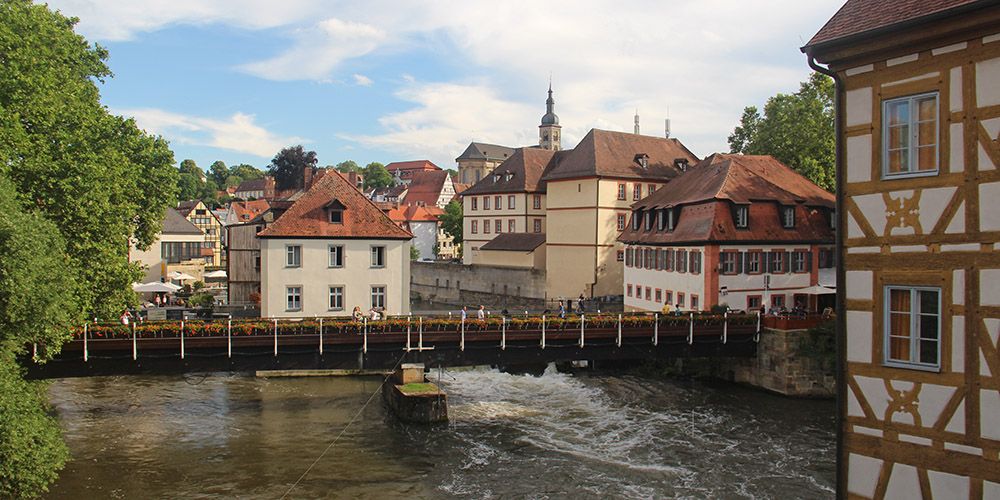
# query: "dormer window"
[[508, 176], [335, 212], [671, 219], [660, 220], [742, 217], [496, 178], [649, 220], [642, 159], [636, 217], [788, 217]]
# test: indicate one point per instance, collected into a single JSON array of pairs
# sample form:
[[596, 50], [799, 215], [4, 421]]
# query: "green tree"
[[218, 172], [189, 166], [376, 176], [797, 129], [246, 172], [100, 179], [451, 220], [190, 188], [414, 252], [452, 173], [348, 166], [289, 165]]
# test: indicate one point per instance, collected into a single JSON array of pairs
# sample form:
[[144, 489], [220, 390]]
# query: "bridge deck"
[[175, 347]]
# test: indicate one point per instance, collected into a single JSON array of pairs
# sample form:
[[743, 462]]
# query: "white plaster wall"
[[859, 285], [859, 106], [859, 336], [989, 409], [933, 398], [987, 76], [357, 276], [152, 258], [903, 483], [743, 285], [424, 238], [873, 207], [863, 474], [675, 282], [859, 158], [932, 205], [989, 292]]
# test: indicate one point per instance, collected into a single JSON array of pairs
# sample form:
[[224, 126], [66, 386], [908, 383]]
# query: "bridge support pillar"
[[412, 399]]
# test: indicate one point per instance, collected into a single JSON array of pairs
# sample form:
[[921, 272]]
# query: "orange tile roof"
[[414, 213], [412, 165], [859, 17], [425, 187], [308, 218], [247, 210]]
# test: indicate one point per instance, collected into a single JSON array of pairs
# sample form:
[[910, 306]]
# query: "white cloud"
[[318, 50], [362, 80], [237, 133]]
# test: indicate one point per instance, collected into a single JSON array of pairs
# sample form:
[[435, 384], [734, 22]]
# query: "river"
[[510, 436]]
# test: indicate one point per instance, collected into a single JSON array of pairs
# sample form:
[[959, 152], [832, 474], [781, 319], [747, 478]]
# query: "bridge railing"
[[400, 325]]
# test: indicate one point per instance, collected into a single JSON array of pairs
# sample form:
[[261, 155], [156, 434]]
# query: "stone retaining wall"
[[494, 286]]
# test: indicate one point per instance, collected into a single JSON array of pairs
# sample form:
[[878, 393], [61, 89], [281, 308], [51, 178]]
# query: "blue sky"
[[386, 81]]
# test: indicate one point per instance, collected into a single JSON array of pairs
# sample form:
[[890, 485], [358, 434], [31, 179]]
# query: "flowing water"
[[510, 436]]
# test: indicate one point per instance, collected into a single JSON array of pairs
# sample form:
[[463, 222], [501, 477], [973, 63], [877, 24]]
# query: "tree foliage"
[[451, 220], [797, 129], [376, 176], [348, 166], [289, 165], [218, 172]]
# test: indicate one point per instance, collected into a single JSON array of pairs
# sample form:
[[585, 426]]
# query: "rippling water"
[[514, 436]]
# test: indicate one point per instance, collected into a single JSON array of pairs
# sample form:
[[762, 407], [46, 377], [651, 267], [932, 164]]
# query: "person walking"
[[666, 308], [562, 310], [465, 312], [125, 317], [481, 313]]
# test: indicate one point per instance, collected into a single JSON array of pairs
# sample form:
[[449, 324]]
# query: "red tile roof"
[[412, 165], [526, 166], [414, 213], [614, 154], [707, 193], [247, 210], [307, 217], [425, 187], [858, 17]]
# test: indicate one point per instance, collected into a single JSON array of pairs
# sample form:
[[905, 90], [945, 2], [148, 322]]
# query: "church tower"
[[548, 131]]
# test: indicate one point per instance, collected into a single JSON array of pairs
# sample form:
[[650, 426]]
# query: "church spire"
[[548, 131]]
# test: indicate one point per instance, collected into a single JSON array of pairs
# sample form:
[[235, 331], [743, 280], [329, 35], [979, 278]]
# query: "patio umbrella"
[[177, 275], [155, 286], [216, 274], [816, 290]]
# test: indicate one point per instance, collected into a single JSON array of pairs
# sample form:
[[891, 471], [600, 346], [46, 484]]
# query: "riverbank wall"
[[495, 286], [794, 363]]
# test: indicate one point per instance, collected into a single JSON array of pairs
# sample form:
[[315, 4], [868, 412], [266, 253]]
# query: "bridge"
[[163, 347]]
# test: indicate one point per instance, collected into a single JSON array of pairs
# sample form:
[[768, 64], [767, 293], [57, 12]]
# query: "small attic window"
[[496, 178], [508, 176], [335, 211], [642, 159]]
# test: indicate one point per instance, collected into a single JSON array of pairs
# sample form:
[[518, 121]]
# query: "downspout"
[[840, 330], [597, 233]]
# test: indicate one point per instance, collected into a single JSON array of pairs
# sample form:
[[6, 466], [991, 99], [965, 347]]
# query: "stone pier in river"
[[412, 399]]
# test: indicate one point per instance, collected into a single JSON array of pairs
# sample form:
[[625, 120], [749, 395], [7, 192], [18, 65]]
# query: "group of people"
[[373, 314]]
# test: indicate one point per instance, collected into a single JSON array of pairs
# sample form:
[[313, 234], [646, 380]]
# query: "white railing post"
[[543, 331], [725, 327], [275, 336], [182, 339], [229, 337], [407, 333], [420, 333], [618, 341], [321, 336], [135, 348], [364, 346], [691, 329], [656, 329], [461, 345], [503, 334], [756, 336], [85, 342], [581, 330]]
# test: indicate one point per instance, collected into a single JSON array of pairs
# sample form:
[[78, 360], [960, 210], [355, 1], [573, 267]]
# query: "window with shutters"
[[682, 261], [628, 257], [753, 262], [753, 302], [694, 302], [486, 227], [658, 296], [912, 325], [649, 294], [663, 260], [777, 262], [729, 262], [670, 259], [695, 262], [636, 219], [671, 218], [648, 219], [680, 299], [800, 262], [668, 297]]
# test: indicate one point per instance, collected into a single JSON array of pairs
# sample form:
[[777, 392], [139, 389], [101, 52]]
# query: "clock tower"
[[549, 130]]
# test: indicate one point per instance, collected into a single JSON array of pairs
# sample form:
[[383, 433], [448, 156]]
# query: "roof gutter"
[[840, 330]]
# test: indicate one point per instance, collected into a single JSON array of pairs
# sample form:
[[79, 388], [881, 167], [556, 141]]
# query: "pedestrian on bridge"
[[562, 310], [481, 313], [465, 312]]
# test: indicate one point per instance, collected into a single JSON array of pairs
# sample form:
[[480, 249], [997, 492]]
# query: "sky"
[[383, 80]]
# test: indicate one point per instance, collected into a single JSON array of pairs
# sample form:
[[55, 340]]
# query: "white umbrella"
[[816, 290], [155, 286], [216, 274], [177, 275]]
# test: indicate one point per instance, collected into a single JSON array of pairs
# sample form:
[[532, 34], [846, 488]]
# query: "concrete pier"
[[412, 399]]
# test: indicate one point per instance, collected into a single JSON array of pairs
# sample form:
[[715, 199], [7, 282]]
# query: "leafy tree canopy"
[[797, 129], [376, 176], [189, 166], [451, 220], [218, 173], [348, 166], [289, 165], [246, 172]]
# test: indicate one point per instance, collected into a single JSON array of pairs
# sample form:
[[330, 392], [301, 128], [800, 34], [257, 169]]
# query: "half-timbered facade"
[[919, 170], [744, 231]]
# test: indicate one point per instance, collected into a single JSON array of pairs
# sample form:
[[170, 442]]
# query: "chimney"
[[307, 178], [268, 187]]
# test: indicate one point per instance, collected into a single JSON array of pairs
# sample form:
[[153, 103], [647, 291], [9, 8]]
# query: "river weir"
[[558, 435]]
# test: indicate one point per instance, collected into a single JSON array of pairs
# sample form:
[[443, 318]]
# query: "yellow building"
[[918, 110], [203, 218]]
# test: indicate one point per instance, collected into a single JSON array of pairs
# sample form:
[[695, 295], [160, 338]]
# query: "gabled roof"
[[739, 179], [251, 185], [482, 151], [412, 165], [527, 165], [175, 223], [425, 187], [307, 217], [515, 242], [859, 18], [604, 153], [248, 210], [185, 207]]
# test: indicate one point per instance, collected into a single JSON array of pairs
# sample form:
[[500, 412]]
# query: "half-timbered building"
[[919, 168]]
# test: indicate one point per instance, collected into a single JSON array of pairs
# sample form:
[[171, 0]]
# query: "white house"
[[332, 250], [179, 241]]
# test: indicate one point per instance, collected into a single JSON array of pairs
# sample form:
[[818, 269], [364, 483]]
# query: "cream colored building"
[[524, 250], [178, 247], [198, 213], [332, 250]]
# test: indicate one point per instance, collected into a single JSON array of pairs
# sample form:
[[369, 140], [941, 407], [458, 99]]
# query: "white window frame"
[[288, 297], [377, 254], [913, 156], [742, 217], [787, 216], [510, 202], [914, 363], [329, 304], [293, 255], [330, 253], [383, 292]]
